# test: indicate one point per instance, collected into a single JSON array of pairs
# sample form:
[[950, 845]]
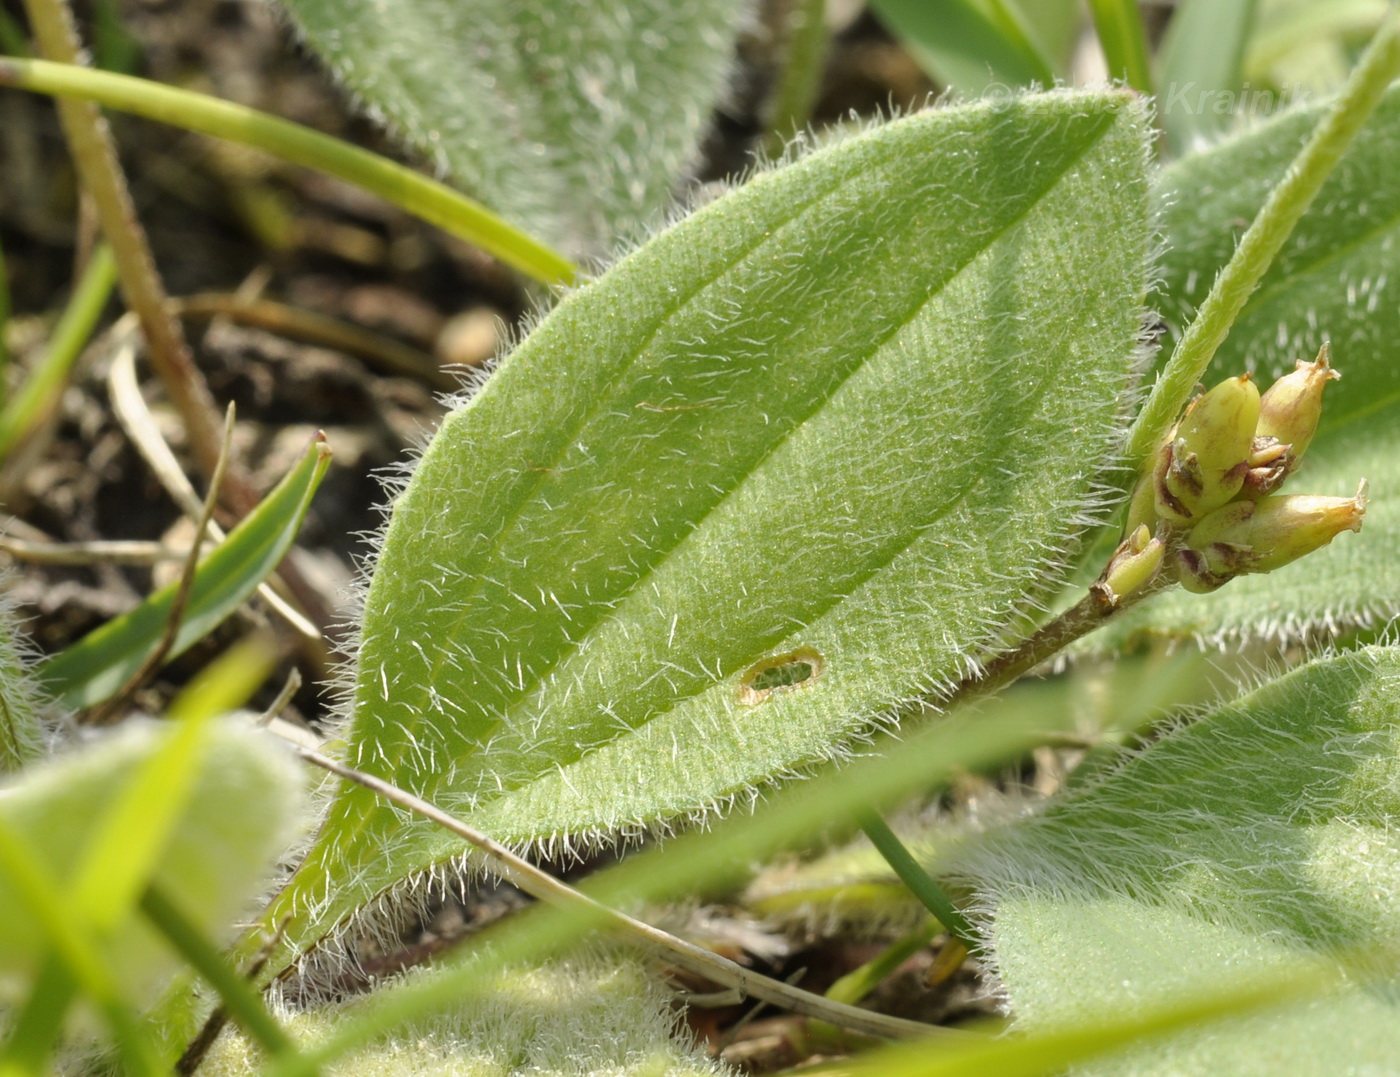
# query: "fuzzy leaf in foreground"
[[587, 1014], [794, 463], [1235, 844], [573, 122], [243, 800], [1337, 279]]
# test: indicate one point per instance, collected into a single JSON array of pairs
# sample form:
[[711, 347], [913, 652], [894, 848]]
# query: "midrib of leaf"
[[565, 755], [603, 607]]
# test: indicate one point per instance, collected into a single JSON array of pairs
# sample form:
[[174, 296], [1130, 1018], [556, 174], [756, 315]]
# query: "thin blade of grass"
[[1124, 43], [68, 937], [964, 47], [98, 665], [434, 202], [37, 397], [239, 999]]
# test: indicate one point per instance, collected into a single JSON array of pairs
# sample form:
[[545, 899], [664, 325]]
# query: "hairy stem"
[[95, 156], [1265, 237]]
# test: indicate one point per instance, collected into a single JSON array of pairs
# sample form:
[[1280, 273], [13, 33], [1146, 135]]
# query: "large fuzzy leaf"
[[830, 429], [1338, 279], [1258, 833], [572, 121], [235, 805]]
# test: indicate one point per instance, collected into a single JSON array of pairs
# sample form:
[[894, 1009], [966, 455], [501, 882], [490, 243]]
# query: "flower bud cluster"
[[1209, 493]]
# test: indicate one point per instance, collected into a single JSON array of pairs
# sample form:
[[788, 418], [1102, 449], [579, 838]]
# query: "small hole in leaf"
[[781, 673]]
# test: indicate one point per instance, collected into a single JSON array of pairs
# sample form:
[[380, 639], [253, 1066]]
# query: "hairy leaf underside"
[[792, 465], [1260, 833], [572, 121], [1337, 280]]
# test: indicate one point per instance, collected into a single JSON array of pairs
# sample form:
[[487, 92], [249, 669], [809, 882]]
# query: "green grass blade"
[[244, 1004], [1124, 43], [1202, 61], [41, 389], [131, 836], [966, 45], [4, 324], [434, 202], [43, 900], [1051, 1052], [95, 667], [228, 682]]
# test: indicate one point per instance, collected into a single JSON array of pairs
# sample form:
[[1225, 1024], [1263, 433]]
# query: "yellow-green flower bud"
[[1142, 510], [1133, 565], [1290, 409], [1260, 536], [1208, 457]]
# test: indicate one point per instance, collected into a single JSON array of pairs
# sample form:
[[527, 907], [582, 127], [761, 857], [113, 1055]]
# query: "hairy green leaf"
[[586, 1014], [833, 430], [242, 797], [96, 667], [1258, 833], [573, 122], [1338, 279], [21, 728]]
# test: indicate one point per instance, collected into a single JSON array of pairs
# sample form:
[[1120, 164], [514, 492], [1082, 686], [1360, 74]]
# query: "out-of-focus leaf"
[[774, 501], [1338, 279], [1202, 59], [966, 44], [574, 122], [1304, 45], [1124, 42], [1256, 834], [95, 667], [589, 1014], [242, 798]]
